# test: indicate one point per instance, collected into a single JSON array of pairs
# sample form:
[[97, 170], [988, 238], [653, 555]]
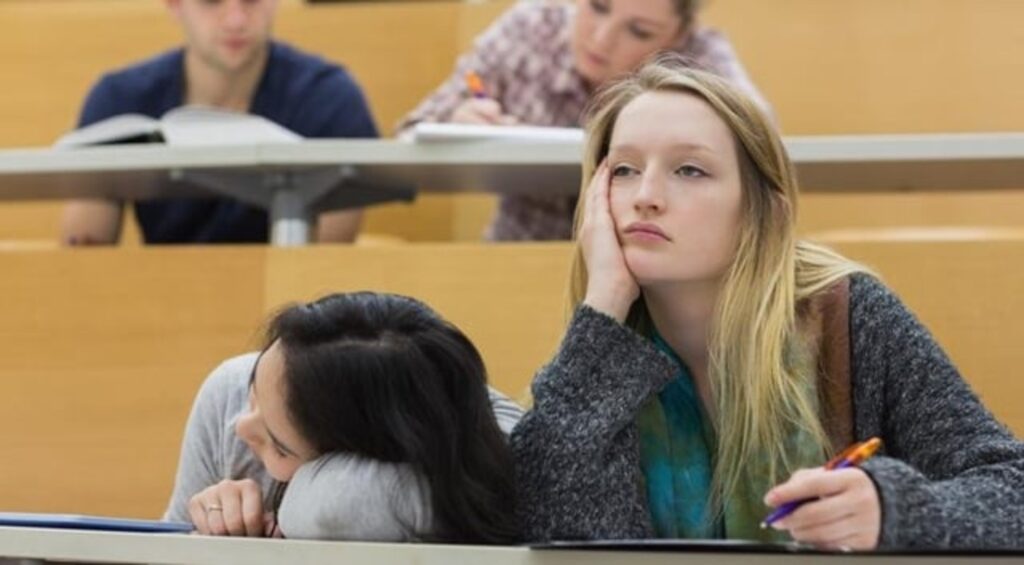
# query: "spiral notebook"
[[80, 522]]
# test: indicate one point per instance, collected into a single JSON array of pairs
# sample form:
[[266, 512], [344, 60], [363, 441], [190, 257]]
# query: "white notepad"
[[432, 132]]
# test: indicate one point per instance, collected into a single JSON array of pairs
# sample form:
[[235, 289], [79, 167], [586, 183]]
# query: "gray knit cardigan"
[[951, 475]]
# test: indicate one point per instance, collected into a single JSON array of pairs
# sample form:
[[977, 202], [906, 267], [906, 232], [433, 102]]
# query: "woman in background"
[[365, 417], [541, 62]]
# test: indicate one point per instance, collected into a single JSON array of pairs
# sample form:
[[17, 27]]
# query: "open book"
[[428, 132], [187, 125]]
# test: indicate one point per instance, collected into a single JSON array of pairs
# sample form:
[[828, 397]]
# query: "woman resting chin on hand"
[[714, 361]]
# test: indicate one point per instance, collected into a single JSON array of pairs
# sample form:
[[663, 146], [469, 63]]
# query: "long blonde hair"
[[763, 388]]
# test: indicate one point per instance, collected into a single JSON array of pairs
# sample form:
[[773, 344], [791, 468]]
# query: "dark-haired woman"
[[365, 417]]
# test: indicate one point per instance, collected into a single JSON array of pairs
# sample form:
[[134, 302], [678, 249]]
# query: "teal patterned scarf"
[[677, 446]]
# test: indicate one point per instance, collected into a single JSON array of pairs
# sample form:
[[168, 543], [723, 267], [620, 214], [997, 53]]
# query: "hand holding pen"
[[479, 107], [835, 506]]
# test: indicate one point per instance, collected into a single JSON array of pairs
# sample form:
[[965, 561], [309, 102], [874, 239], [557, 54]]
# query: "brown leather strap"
[[834, 388]]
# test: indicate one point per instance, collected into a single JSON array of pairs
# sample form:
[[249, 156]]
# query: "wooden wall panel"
[[966, 290], [507, 298], [830, 66], [101, 353]]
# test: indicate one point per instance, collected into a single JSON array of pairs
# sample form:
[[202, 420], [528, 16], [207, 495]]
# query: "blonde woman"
[[713, 361]]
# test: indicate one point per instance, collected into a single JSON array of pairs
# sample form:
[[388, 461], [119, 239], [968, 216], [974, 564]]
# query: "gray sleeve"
[[507, 412], [953, 476], [345, 497], [577, 454], [202, 460]]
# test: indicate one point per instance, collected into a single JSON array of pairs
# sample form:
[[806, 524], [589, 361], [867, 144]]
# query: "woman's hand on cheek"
[[228, 508], [845, 513], [611, 288]]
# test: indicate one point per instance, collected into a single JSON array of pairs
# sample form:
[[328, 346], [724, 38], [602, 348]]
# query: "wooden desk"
[[103, 547], [295, 180], [858, 163], [292, 181]]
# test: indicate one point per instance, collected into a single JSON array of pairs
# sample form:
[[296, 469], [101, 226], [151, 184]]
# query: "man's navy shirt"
[[302, 92]]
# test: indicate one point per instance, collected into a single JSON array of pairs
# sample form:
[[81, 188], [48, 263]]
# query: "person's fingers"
[[215, 517], [479, 111], [603, 187], [860, 541], [807, 483], [488, 107], [232, 508], [843, 506], [269, 525], [818, 513], [252, 508], [597, 201], [827, 535], [197, 514], [231, 511], [595, 210]]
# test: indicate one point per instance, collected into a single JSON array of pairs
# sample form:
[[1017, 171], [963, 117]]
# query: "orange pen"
[[475, 85]]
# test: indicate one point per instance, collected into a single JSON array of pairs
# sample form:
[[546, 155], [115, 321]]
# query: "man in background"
[[228, 61]]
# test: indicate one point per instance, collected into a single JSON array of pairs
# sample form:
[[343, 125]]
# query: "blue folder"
[[78, 522]]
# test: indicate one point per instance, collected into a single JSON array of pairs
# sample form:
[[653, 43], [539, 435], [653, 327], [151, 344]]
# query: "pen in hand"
[[475, 85], [479, 107], [850, 457]]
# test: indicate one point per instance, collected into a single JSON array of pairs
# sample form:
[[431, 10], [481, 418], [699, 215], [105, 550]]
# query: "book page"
[[116, 129], [428, 132], [197, 125]]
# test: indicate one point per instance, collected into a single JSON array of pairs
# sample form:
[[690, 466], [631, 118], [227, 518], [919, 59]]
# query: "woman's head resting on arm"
[[384, 377], [613, 37]]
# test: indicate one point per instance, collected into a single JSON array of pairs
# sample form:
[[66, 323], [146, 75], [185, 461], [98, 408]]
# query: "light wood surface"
[[101, 353], [106, 547], [509, 299], [966, 290]]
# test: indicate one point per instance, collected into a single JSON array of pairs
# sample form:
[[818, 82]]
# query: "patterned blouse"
[[525, 60]]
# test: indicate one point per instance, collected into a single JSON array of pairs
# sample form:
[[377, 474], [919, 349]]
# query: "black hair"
[[383, 376]]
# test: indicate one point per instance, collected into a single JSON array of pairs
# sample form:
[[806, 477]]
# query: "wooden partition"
[[101, 351], [509, 299]]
